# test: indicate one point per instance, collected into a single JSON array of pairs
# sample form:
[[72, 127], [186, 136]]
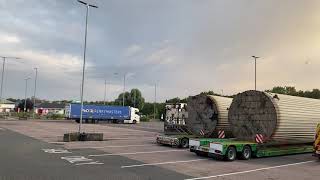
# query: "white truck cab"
[[134, 116]]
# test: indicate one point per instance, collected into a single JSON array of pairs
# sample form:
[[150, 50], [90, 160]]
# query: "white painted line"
[[170, 162], [56, 142], [56, 151], [101, 147], [249, 171], [90, 163], [1, 128], [147, 152]]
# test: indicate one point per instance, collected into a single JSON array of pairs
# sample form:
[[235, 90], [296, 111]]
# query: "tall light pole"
[[134, 98], [4, 58], [84, 57], [25, 94], [255, 71], [124, 87], [155, 101], [34, 91], [105, 92]]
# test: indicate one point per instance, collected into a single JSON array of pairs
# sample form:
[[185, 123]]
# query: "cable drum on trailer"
[[207, 115], [278, 118]]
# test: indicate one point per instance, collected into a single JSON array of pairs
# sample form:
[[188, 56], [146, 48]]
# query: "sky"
[[183, 46]]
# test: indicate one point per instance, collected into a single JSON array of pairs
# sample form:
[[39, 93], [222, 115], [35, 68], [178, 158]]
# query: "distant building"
[[6, 106], [50, 108]]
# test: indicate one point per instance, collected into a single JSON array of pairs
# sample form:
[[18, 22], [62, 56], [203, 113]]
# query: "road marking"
[[249, 171], [147, 152], [101, 147], [81, 160], [90, 163], [73, 159], [56, 151], [1, 129], [170, 162]]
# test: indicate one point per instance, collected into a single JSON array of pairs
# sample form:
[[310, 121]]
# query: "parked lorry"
[[96, 113], [316, 146]]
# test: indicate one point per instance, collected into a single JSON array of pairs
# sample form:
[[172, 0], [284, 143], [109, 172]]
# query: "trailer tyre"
[[184, 143], [77, 121], [231, 154], [246, 153]]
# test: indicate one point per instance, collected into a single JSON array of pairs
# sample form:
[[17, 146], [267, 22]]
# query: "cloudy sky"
[[185, 46]]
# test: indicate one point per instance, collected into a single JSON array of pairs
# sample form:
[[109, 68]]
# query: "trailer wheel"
[[184, 143], [77, 121], [231, 154], [246, 153]]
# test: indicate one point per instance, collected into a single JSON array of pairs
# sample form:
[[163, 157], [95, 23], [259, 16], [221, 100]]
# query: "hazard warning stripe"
[[221, 135], [259, 138]]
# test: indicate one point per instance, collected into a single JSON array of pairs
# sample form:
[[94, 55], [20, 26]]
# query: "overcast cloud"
[[185, 46]]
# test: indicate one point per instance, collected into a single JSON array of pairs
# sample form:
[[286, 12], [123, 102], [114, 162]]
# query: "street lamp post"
[[134, 98], [25, 94], [124, 87], [84, 57], [155, 101], [4, 58], [34, 91], [255, 71], [105, 92]]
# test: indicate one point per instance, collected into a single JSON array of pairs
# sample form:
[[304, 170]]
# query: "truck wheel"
[[77, 121], [184, 143], [134, 122], [246, 153], [231, 154]]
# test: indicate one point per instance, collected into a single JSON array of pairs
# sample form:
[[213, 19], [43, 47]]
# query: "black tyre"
[[134, 122], [231, 154], [246, 153], [184, 143], [77, 121]]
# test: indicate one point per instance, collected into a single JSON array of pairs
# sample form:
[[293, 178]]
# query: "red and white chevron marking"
[[201, 132], [221, 135], [259, 138]]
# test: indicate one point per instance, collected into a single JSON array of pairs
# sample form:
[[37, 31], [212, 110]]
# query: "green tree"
[[176, 100], [133, 98], [290, 90]]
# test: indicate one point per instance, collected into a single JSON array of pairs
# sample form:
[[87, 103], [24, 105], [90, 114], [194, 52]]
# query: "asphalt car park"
[[128, 152]]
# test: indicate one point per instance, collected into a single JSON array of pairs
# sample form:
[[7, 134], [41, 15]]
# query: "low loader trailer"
[[231, 149]]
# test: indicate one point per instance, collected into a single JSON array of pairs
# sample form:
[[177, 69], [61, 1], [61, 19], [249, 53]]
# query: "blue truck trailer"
[[96, 113]]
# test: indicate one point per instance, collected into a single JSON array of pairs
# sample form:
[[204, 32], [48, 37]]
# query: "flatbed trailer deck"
[[232, 149]]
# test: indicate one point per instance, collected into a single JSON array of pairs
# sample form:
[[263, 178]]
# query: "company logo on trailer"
[[101, 111]]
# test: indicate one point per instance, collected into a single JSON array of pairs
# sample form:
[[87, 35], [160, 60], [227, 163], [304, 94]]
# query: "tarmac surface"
[[34, 149]]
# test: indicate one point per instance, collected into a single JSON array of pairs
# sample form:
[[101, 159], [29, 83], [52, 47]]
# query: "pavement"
[[24, 158], [128, 152]]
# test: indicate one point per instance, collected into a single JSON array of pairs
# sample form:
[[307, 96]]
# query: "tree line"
[[291, 90], [134, 98]]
